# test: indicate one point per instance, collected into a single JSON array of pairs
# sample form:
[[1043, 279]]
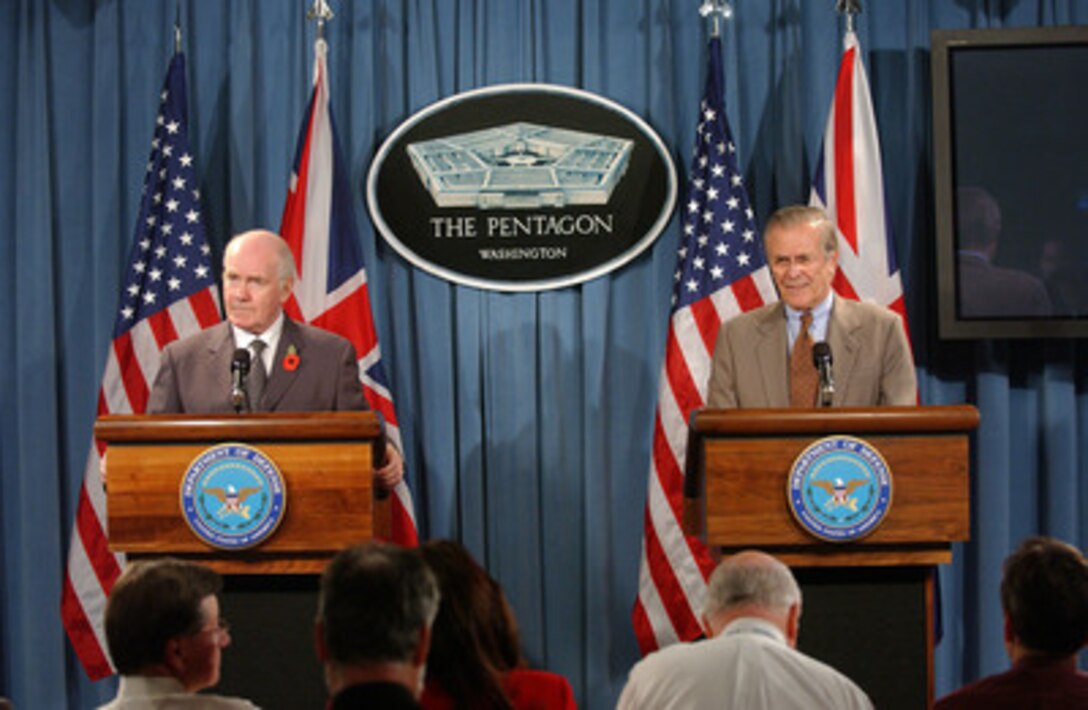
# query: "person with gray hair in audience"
[[165, 636], [376, 607], [751, 617]]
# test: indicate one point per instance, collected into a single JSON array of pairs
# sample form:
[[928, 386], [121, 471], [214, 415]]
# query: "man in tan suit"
[[872, 359]]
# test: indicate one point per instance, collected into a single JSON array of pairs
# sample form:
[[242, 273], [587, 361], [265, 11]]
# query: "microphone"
[[239, 368], [821, 358]]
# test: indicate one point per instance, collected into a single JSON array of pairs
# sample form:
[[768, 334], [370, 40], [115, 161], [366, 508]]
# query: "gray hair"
[[795, 215], [751, 580], [374, 600]]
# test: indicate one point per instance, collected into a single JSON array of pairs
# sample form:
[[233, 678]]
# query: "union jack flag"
[[331, 291], [720, 272], [849, 186], [168, 293], [851, 193]]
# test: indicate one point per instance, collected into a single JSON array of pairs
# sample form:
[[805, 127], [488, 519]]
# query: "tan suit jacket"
[[194, 374], [872, 362]]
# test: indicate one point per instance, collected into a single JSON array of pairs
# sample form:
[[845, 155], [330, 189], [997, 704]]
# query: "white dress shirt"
[[137, 692], [748, 665]]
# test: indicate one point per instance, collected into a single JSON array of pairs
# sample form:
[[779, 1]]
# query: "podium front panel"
[[328, 490], [746, 500]]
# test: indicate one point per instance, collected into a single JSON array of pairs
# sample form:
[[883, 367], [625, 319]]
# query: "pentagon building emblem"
[[232, 496], [840, 489], [521, 187], [521, 166]]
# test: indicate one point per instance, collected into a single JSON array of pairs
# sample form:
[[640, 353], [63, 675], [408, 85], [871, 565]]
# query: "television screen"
[[1010, 139]]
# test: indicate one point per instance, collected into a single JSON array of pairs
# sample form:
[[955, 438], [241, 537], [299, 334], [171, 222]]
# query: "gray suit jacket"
[[194, 374], [872, 363]]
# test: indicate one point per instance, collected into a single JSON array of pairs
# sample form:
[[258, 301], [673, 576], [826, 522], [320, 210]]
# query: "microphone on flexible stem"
[[239, 368], [821, 358]]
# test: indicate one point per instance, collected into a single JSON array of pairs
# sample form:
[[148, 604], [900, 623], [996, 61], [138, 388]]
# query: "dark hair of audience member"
[[401, 596], [152, 602], [1044, 591], [475, 639]]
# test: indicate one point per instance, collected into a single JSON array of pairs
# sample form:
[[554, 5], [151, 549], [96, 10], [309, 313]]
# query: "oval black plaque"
[[521, 187]]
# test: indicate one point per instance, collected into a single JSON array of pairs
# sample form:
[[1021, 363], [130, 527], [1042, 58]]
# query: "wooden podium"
[[869, 603], [326, 460]]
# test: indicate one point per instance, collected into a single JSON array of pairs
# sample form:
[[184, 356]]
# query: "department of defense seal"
[[232, 496], [840, 489]]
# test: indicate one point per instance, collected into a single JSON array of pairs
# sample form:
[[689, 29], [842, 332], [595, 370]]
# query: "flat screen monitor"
[[1010, 141]]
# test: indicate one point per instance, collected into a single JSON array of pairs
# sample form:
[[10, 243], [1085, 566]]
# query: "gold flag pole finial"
[[716, 10], [321, 12]]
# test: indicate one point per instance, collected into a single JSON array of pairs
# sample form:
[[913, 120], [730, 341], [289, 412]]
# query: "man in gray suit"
[[872, 361], [308, 369]]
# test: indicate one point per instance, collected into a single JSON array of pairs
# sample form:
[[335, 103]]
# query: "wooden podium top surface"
[[279, 426], [858, 420]]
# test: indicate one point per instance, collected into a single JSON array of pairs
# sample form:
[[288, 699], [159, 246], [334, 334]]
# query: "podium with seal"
[[863, 504], [266, 499]]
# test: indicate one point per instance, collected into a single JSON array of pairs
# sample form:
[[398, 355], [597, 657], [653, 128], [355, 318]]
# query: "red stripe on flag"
[[380, 404], [668, 471], [81, 634], [644, 631], [351, 318], [132, 377], [103, 408], [746, 293], [707, 321], [402, 528], [162, 327], [672, 483], [95, 543], [845, 208], [843, 287], [293, 223], [668, 586], [291, 308], [205, 308], [680, 380]]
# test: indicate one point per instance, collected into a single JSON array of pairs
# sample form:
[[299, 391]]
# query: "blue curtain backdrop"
[[526, 417]]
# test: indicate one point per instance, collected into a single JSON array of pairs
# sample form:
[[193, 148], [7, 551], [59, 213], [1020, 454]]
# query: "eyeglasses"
[[221, 627]]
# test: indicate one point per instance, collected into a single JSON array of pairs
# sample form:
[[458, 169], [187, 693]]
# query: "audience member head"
[[375, 610], [803, 252], [162, 619], [1044, 593], [258, 275], [978, 220], [475, 638], [753, 584]]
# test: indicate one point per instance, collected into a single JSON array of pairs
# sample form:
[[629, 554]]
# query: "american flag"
[[331, 290], [720, 272], [168, 293], [849, 186]]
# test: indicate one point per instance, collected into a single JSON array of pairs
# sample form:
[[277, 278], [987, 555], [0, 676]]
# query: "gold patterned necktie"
[[258, 376], [804, 380]]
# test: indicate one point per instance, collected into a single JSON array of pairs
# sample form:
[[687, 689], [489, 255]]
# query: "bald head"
[[269, 243], [752, 583], [258, 275]]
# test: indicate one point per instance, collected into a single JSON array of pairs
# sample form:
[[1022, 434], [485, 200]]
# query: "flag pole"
[[848, 8], [716, 11], [177, 27]]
